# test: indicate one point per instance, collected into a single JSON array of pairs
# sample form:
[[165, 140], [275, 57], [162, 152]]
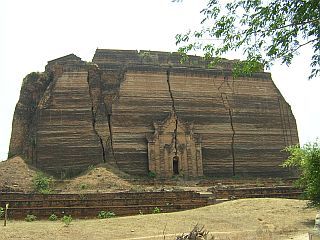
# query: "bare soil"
[[16, 175], [263, 219], [98, 179]]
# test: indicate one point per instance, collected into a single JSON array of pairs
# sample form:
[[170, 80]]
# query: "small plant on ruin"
[[156, 210], [41, 183], [83, 186], [140, 212], [104, 214], [30, 218], [53, 217], [110, 214], [90, 168], [1, 212], [66, 220], [152, 174]]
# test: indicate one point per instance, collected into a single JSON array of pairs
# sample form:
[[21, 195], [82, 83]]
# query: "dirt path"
[[241, 219]]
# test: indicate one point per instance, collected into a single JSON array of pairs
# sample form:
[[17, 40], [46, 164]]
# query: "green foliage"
[[90, 168], [41, 183], [307, 160], [1, 212], [53, 217], [30, 218], [152, 174], [83, 186], [265, 31], [66, 220], [156, 210], [33, 76], [104, 214]]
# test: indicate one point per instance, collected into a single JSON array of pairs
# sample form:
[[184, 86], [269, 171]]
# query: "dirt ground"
[[16, 175], [263, 219]]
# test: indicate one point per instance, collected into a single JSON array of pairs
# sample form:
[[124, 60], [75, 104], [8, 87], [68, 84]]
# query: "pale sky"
[[35, 31]]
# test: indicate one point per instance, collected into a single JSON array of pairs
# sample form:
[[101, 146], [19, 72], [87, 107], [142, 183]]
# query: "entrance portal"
[[174, 148], [176, 165]]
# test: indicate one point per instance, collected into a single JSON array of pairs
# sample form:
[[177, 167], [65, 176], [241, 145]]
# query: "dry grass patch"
[[263, 219]]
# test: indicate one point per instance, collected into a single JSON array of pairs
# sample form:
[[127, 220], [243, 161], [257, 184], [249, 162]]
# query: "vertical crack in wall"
[[228, 108], [110, 139], [93, 118], [283, 124], [173, 108], [232, 143], [114, 87]]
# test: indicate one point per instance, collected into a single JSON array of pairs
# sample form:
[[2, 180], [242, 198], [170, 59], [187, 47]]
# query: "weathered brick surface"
[[106, 112], [89, 205]]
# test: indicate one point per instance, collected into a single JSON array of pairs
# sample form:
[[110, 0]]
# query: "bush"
[[156, 210], [104, 214], [66, 220], [1, 212], [41, 183], [152, 174], [30, 218], [83, 186], [307, 161], [53, 217]]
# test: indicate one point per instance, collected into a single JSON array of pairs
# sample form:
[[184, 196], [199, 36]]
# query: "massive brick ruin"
[[147, 112]]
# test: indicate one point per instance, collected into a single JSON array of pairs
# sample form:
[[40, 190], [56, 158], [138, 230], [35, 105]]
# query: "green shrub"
[[41, 183], [152, 174], [66, 220], [156, 210], [104, 214], [83, 186], [53, 217], [30, 218], [1, 212]]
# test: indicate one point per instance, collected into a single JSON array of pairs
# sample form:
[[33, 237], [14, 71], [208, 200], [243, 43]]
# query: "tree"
[[265, 31], [307, 160]]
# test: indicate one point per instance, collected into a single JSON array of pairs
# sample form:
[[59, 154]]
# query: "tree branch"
[[306, 43], [288, 25]]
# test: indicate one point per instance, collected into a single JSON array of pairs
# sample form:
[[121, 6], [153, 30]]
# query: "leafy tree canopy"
[[307, 160], [265, 30]]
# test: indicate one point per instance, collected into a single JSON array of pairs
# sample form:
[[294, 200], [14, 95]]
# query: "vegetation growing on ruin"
[[105, 214], [156, 210], [1, 212], [53, 217], [307, 160], [66, 219], [42, 183], [265, 31], [30, 218]]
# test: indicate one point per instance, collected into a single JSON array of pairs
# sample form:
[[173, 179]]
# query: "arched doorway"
[[175, 165]]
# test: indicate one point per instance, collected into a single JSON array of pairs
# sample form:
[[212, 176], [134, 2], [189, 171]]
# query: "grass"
[[262, 219]]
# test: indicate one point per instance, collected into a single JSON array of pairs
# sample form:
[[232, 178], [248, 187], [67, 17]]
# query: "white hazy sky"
[[35, 31]]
